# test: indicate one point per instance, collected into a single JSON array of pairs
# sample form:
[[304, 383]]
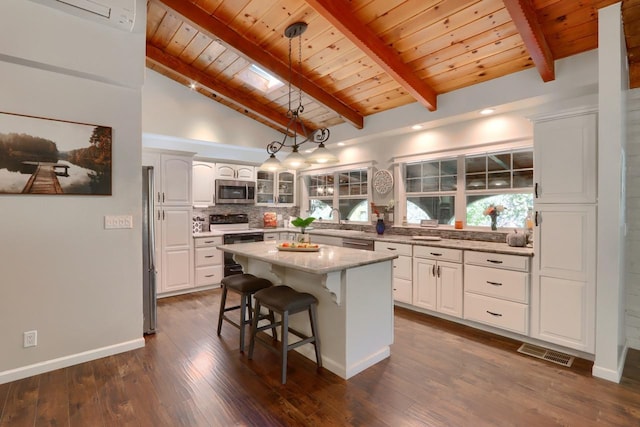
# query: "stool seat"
[[285, 301], [284, 298], [246, 285]]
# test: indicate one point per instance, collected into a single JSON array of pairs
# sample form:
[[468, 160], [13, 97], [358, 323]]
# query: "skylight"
[[260, 79]]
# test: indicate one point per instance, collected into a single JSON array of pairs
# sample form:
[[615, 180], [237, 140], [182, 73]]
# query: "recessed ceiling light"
[[416, 127], [192, 85], [487, 111]]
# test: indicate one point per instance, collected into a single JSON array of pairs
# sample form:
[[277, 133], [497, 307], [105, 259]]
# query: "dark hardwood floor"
[[439, 374]]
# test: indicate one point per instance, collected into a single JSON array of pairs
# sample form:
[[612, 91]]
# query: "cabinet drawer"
[[502, 314], [208, 241], [402, 268], [208, 275], [208, 256], [394, 248], [431, 252], [486, 259], [494, 282], [402, 290], [271, 236]]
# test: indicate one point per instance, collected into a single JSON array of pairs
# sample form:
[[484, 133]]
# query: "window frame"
[[336, 197], [461, 192]]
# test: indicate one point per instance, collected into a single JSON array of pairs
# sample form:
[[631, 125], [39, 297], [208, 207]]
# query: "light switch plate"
[[118, 221]]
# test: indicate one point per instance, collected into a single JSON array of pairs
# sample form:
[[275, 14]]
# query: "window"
[[473, 182], [504, 178], [343, 191], [431, 189]]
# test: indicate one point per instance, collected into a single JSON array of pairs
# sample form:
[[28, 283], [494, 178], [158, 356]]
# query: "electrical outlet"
[[118, 221], [30, 339]]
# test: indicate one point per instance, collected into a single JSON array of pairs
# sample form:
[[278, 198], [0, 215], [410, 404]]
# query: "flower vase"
[[494, 219], [380, 226], [304, 238]]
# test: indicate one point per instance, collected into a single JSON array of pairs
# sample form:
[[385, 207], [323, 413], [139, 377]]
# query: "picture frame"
[[47, 156]]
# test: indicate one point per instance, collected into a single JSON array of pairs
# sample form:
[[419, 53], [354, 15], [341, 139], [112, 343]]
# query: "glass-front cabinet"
[[275, 188]]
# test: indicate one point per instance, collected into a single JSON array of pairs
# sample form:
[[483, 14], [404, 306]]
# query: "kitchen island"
[[355, 298]]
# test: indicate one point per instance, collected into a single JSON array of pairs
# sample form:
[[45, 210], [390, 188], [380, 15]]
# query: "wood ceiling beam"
[[524, 17], [216, 29], [339, 14], [158, 56]]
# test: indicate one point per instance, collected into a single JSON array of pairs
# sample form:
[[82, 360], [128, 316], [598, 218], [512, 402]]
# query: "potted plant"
[[303, 223]]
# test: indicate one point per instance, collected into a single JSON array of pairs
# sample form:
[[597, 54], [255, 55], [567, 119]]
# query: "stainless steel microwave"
[[233, 191]]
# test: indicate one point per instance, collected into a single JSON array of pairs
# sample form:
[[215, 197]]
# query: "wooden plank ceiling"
[[361, 57]]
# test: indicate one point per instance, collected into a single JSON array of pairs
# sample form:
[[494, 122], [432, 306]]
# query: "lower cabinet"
[[437, 279], [175, 248], [208, 261], [402, 269], [496, 290]]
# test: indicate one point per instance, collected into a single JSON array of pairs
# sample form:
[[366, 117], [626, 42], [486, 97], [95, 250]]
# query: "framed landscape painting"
[[48, 156]]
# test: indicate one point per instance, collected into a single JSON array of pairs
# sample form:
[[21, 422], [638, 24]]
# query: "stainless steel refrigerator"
[[148, 252]]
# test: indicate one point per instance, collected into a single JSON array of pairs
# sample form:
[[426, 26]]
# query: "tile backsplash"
[[256, 213]]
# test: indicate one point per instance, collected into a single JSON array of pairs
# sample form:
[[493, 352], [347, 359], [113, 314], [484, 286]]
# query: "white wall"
[[610, 340], [632, 304], [62, 273]]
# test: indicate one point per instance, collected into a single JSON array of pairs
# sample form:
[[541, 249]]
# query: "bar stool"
[[246, 285], [285, 301]]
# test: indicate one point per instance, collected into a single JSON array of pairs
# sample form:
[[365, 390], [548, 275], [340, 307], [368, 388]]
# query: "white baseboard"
[[73, 359], [610, 374]]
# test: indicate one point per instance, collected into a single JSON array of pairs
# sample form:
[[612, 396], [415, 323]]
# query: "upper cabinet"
[[172, 177], [276, 188], [204, 175], [232, 171], [565, 155]]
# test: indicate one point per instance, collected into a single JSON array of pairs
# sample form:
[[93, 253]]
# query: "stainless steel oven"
[[230, 266]]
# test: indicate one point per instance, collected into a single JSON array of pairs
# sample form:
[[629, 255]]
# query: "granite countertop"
[[472, 245], [326, 260]]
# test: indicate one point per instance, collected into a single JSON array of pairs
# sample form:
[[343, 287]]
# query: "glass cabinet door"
[[265, 190], [286, 188]]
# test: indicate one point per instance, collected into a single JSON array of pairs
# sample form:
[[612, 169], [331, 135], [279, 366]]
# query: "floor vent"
[[545, 354]]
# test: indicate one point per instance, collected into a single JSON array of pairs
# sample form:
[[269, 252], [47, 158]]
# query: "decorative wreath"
[[382, 181]]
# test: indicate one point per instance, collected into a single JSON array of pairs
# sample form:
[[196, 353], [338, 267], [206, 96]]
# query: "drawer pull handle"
[[392, 249], [208, 256], [494, 261], [209, 241], [209, 275], [494, 283], [436, 254], [494, 314]]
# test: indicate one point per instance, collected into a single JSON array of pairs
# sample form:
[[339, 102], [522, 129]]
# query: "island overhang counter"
[[355, 298]]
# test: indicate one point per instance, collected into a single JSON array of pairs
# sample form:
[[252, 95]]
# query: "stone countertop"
[[326, 260], [472, 245]]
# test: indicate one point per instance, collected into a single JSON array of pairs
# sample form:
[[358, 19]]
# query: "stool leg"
[[223, 302], [254, 327], [285, 344], [274, 330], [243, 318], [313, 319]]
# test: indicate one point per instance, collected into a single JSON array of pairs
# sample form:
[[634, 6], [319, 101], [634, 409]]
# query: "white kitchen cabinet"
[[496, 290], [565, 159], [275, 188], [233, 171], [203, 182], [208, 261], [290, 236], [402, 269], [564, 290], [176, 252], [437, 279], [321, 239], [271, 235], [173, 218]]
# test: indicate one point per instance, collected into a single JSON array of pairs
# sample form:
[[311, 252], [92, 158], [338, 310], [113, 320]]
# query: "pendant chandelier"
[[295, 127]]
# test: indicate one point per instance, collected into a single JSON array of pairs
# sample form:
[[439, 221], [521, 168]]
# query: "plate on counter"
[[298, 247], [427, 238]]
